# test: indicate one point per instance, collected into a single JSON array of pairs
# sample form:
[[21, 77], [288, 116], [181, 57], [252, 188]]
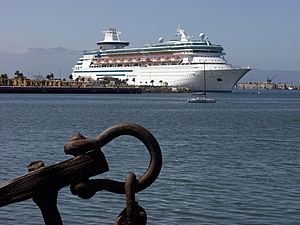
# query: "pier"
[[58, 86], [71, 90], [266, 86], [110, 86]]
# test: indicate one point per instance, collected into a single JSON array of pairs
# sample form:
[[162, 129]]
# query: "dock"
[[70, 90]]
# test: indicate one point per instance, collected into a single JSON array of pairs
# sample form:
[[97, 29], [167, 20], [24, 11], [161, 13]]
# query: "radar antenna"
[[202, 37], [181, 32]]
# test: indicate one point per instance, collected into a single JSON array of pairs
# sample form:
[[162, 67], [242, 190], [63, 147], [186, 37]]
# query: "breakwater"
[[266, 86], [71, 90]]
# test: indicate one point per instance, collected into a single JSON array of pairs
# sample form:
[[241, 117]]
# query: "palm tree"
[[50, 76], [152, 81], [4, 76], [160, 82], [18, 74], [3, 79]]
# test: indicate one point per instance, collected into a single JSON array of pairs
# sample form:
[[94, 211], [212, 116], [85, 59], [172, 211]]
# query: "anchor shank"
[[55, 176]]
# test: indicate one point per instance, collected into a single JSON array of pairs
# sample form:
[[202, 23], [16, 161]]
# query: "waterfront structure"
[[178, 63], [265, 86]]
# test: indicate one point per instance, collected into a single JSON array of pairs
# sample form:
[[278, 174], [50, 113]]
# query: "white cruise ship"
[[177, 63]]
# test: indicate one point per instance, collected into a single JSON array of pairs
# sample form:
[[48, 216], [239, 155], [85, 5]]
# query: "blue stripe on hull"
[[110, 75], [103, 71]]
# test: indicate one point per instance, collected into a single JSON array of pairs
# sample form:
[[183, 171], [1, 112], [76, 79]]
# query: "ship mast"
[[204, 76]]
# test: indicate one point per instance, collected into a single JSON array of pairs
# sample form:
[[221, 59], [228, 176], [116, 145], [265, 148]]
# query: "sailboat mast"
[[204, 76]]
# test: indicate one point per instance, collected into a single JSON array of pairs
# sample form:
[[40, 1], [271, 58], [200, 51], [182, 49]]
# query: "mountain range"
[[59, 61], [40, 61]]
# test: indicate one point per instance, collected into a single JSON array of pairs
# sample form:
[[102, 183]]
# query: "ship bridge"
[[112, 40]]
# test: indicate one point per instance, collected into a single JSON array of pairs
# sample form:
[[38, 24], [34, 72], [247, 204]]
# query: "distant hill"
[[40, 61], [61, 60]]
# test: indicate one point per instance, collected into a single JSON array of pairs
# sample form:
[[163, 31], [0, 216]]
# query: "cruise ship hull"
[[222, 80], [216, 80], [188, 76]]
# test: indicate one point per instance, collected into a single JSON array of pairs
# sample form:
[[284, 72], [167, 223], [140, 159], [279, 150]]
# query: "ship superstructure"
[[174, 63]]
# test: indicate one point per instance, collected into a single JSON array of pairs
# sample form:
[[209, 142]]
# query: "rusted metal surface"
[[55, 176], [133, 214], [43, 183], [47, 202], [81, 144]]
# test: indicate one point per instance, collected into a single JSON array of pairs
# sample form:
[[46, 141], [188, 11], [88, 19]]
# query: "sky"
[[261, 33]]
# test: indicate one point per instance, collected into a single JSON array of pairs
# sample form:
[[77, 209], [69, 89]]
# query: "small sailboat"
[[201, 97]]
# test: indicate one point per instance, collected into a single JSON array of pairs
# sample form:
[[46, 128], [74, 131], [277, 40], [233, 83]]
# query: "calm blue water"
[[233, 162]]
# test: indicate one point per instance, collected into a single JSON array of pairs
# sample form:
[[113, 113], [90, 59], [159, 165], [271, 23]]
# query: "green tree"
[[50, 76], [4, 76], [18, 74], [3, 79], [71, 77]]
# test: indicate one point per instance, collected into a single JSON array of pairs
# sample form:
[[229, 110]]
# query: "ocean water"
[[233, 162]]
